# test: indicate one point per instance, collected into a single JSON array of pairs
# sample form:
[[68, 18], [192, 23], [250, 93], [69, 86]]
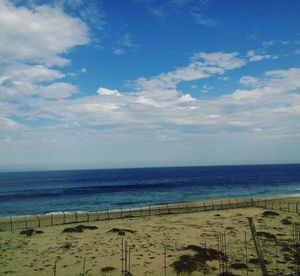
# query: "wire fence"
[[19, 222]]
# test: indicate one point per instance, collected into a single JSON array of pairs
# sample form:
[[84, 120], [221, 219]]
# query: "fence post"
[[64, 218], [272, 204], [221, 205], [83, 269], [26, 224], [288, 206], [204, 206], [149, 210], [76, 218], [141, 214], [297, 206], [51, 219], [121, 213], [107, 214], [165, 260], [54, 268], [257, 247], [11, 224], [39, 221], [265, 204], [279, 205], [213, 205], [237, 204], [88, 216]]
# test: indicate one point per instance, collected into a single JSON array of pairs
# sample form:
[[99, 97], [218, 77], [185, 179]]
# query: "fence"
[[19, 222]]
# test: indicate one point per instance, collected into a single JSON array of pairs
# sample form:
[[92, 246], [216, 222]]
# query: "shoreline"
[[37, 221], [161, 205]]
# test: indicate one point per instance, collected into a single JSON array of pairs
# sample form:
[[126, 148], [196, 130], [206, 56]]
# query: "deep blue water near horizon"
[[42, 192]]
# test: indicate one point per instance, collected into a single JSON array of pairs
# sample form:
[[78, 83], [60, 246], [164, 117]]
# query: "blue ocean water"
[[89, 190]]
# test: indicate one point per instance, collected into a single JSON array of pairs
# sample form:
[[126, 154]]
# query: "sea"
[[43, 192]]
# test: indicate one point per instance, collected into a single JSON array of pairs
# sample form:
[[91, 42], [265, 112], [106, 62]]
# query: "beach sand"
[[36, 255]]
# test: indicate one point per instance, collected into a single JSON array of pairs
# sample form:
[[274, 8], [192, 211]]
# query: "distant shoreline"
[[19, 169]]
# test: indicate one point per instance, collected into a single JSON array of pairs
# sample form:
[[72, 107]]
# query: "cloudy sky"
[[133, 83]]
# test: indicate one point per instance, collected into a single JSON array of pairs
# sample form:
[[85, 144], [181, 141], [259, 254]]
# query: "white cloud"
[[42, 34], [269, 103], [20, 72], [258, 57], [249, 81], [206, 88], [107, 92], [145, 101], [203, 65], [118, 51], [270, 43], [8, 124], [124, 43], [57, 90], [204, 20], [187, 98]]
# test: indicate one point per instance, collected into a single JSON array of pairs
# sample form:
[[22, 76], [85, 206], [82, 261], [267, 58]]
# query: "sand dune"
[[101, 248]]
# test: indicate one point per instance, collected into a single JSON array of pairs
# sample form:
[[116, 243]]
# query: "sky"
[[138, 83]]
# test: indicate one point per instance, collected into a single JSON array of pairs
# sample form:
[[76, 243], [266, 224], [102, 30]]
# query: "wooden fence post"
[[288, 206], [237, 204], [64, 218], [279, 205], [257, 247], [83, 268], [107, 214], [26, 224], [88, 216], [54, 268], [39, 221], [165, 260], [51, 219], [149, 210], [76, 218], [221, 205], [11, 224]]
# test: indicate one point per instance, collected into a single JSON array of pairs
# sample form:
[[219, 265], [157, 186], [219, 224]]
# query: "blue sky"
[[88, 84]]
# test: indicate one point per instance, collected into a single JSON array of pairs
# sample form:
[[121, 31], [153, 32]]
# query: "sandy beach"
[[193, 234]]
